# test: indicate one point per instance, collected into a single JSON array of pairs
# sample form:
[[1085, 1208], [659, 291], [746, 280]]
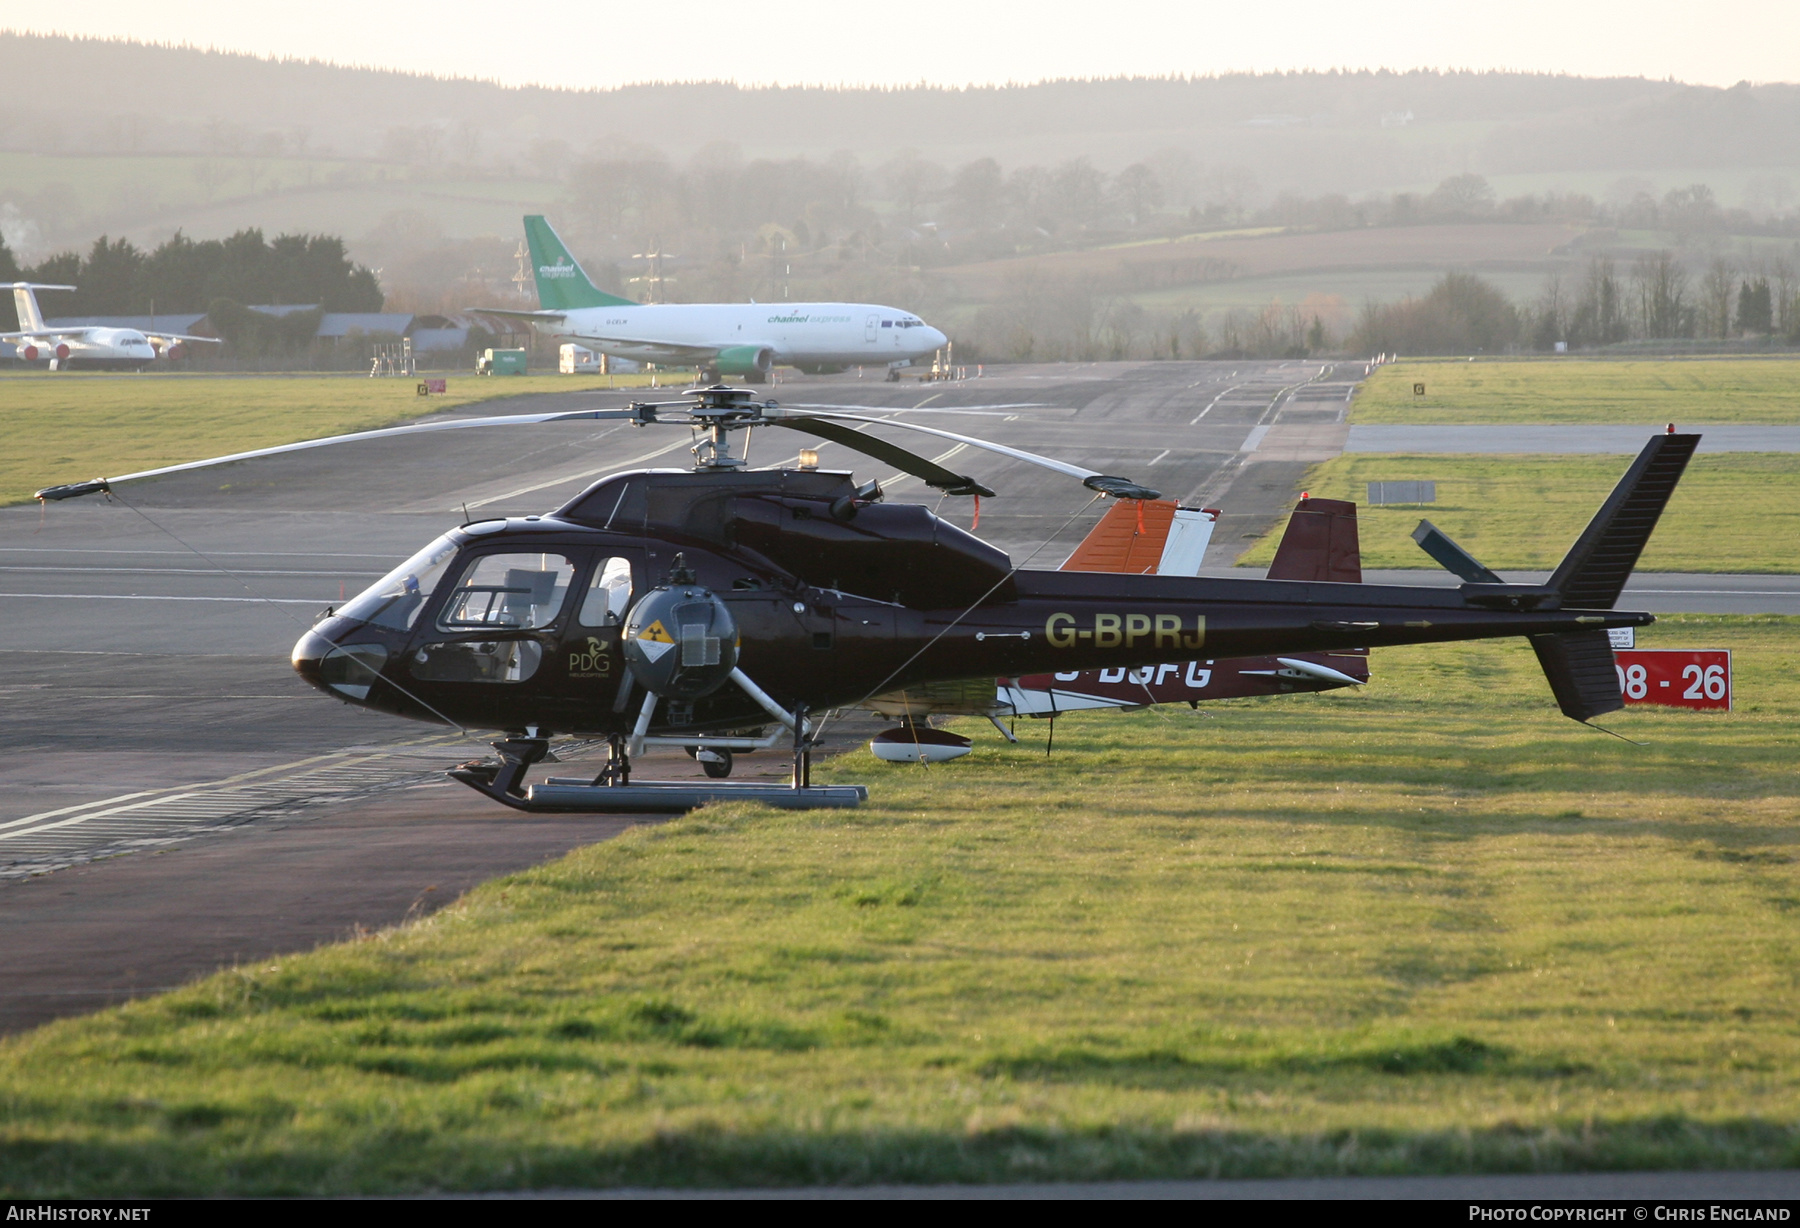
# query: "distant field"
[[1147, 268], [77, 425], [1334, 294], [1584, 390], [1430, 926], [1728, 515], [143, 196]]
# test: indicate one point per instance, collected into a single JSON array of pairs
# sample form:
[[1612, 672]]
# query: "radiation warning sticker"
[[656, 633]]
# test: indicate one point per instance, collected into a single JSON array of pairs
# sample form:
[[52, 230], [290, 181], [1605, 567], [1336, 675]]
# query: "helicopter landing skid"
[[613, 793], [565, 795]]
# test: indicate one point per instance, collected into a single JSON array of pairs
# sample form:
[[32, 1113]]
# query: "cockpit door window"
[[608, 594], [519, 592]]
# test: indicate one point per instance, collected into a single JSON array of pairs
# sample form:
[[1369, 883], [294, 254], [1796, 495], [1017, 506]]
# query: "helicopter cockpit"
[[465, 609]]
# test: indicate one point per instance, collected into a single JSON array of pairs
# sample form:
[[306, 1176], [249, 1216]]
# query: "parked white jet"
[[744, 339], [88, 345]]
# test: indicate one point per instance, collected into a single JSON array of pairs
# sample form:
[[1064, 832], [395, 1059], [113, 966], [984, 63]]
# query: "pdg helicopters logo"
[[595, 661]]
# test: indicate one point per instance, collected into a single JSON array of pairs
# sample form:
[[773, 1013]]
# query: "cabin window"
[[395, 599], [608, 594], [516, 591], [482, 661]]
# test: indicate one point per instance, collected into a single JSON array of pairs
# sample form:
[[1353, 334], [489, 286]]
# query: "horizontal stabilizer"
[[1594, 571], [1324, 673], [1454, 559], [1579, 665]]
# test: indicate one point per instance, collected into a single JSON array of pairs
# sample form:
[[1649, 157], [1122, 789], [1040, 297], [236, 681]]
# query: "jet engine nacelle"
[[681, 641], [62, 350], [29, 353], [749, 360]]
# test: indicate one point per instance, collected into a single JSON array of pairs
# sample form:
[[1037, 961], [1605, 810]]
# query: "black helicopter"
[[700, 608]]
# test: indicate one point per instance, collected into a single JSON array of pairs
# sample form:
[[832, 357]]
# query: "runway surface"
[[150, 704], [143, 645]]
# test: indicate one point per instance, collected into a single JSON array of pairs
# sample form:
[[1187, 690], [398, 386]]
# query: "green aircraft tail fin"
[[561, 282]]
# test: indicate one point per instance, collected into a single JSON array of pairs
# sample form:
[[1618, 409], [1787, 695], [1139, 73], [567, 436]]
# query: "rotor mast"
[[721, 410]]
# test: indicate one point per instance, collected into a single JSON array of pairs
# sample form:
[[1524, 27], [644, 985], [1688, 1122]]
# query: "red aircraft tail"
[[1320, 544]]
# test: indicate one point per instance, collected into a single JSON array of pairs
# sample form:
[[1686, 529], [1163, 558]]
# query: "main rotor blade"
[[977, 411], [1093, 479], [73, 489], [933, 473]]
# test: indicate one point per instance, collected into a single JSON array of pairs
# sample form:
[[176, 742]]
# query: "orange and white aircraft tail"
[[1155, 537]]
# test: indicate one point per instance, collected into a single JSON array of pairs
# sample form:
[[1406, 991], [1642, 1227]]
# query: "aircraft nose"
[[937, 338], [309, 658], [346, 671]]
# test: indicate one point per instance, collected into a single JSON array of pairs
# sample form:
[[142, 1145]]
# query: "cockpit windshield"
[[395, 599]]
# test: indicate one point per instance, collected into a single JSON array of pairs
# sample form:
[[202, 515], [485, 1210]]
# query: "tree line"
[[116, 277], [1653, 298]]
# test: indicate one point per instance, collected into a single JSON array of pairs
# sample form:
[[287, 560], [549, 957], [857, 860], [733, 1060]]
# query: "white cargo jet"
[[744, 339], [87, 345]]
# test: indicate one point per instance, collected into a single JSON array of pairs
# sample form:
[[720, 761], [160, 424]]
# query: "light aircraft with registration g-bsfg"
[[744, 339]]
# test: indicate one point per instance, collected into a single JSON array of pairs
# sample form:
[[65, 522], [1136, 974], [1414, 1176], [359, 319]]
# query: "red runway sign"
[[1676, 678]]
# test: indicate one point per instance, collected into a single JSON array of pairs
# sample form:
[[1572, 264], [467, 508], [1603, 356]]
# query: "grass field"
[[1430, 926], [1683, 391], [76, 425], [1324, 256], [1728, 514]]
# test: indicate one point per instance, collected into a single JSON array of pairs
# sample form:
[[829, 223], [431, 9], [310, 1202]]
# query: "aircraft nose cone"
[[346, 671], [309, 658]]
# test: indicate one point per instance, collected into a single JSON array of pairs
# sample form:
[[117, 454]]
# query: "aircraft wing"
[[670, 352], [167, 337], [636, 348], [516, 315], [40, 334]]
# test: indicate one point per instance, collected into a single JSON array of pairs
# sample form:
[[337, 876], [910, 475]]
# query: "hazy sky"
[[560, 42]]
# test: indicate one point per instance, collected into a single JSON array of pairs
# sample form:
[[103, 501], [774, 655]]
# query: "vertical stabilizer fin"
[[1146, 537], [1582, 675], [1453, 558], [1128, 539], [1190, 533], [31, 320], [561, 282], [1320, 543], [1579, 664], [1594, 572]]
